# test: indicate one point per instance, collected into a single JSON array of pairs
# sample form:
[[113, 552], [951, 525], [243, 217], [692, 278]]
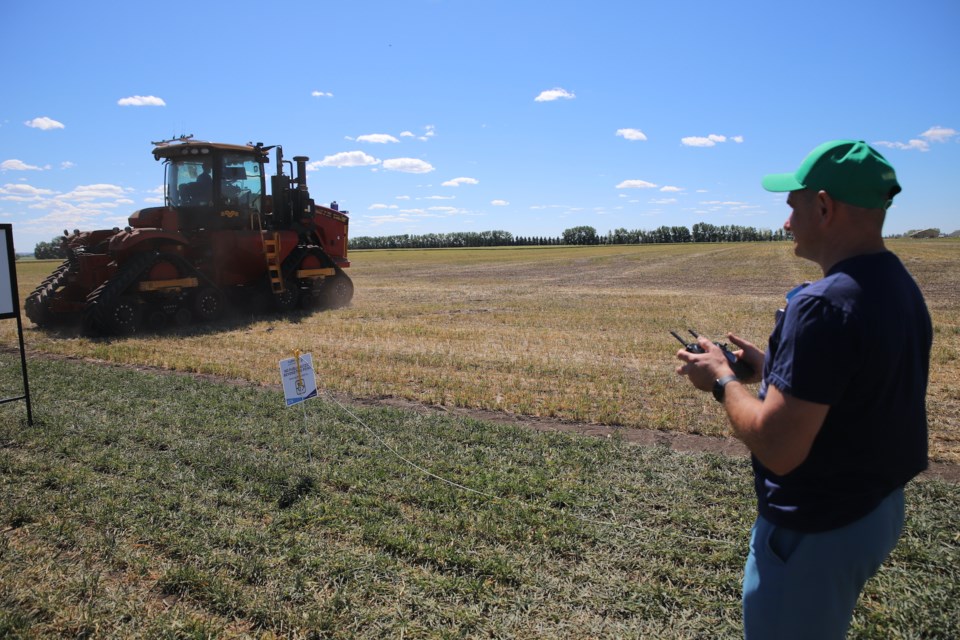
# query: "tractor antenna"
[[164, 143]]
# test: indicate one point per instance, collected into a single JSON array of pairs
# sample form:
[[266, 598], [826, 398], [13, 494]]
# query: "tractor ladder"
[[271, 250]]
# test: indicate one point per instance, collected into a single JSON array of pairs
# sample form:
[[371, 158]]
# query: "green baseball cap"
[[849, 170]]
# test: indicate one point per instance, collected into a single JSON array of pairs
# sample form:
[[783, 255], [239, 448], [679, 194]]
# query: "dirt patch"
[[680, 442]]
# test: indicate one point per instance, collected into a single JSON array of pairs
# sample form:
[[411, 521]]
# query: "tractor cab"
[[213, 186]]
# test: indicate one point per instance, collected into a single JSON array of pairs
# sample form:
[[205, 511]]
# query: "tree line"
[[581, 235], [700, 232], [52, 249]]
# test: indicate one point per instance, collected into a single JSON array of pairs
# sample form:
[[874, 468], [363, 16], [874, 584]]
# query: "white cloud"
[[141, 101], [737, 139], [429, 132], [933, 134], [345, 159], [44, 123], [636, 184], [726, 203], [671, 189], [499, 203], [22, 192], [383, 206], [156, 196], [663, 201], [938, 134], [66, 164], [440, 198], [565, 209], [376, 221], [554, 94], [456, 182], [915, 144], [94, 192], [378, 138], [85, 206], [321, 94], [67, 215], [406, 134], [407, 165], [17, 165], [698, 141], [631, 134]]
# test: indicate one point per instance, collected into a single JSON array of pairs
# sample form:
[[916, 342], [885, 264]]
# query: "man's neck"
[[832, 255]]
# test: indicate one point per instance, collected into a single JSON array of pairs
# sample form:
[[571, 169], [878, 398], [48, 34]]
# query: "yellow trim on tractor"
[[315, 273], [156, 285]]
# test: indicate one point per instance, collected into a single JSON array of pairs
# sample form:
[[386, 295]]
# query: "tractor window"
[[240, 183], [189, 183]]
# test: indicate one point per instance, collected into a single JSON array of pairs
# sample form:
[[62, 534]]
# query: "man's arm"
[[779, 430]]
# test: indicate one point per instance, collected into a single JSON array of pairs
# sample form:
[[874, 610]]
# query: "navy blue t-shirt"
[[858, 340]]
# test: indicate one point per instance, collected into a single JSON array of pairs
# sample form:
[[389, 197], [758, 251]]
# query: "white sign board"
[[299, 380], [8, 302]]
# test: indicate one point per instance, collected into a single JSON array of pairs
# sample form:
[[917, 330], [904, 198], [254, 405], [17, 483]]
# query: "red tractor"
[[219, 241]]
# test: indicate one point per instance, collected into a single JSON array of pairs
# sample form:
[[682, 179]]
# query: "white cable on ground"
[[490, 496]]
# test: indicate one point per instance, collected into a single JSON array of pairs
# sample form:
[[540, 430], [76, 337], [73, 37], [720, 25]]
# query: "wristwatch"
[[720, 384]]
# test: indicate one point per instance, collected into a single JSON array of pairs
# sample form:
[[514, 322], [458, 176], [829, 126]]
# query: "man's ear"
[[826, 207]]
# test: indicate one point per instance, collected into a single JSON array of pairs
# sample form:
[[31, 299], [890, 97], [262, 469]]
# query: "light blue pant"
[[805, 585]]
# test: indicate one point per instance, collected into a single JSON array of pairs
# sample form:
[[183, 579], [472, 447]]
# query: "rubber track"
[[290, 265], [103, 296], [293, 261], [37, 304]]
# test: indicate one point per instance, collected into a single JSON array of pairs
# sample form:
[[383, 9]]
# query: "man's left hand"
[[705, 368]]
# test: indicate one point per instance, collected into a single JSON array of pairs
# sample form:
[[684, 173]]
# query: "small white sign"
[[299, 380], [8, 275]]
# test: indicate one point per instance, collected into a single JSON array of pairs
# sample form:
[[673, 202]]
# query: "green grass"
[[158, 505]]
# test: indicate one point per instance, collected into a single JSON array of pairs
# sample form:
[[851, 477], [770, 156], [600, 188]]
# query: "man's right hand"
[[750, 354]]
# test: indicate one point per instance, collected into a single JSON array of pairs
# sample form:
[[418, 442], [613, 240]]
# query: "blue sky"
[[432, 116]]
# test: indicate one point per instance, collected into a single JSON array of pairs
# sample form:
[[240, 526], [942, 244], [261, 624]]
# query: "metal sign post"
[[299, 384]]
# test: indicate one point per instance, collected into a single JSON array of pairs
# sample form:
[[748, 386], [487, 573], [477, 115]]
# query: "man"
[[839, 424]]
